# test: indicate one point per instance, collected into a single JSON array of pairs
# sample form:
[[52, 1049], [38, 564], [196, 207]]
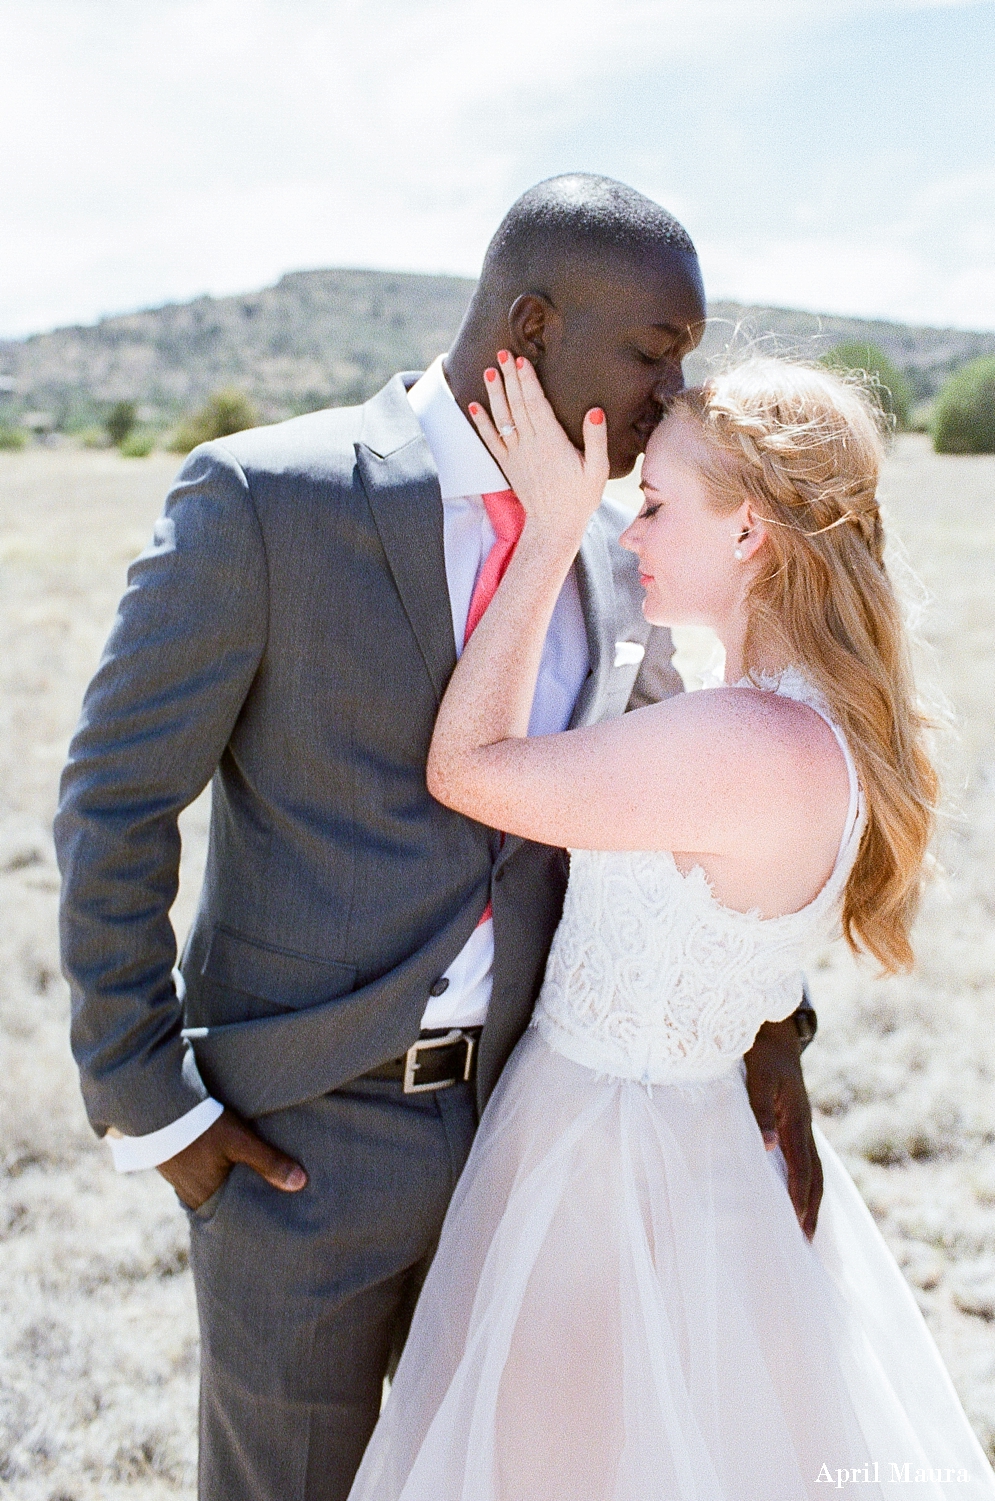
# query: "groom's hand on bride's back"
[[200, 1169], [780, 1103]]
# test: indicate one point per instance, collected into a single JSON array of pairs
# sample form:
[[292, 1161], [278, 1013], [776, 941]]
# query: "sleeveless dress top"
[[651, 978], [622, 1306]]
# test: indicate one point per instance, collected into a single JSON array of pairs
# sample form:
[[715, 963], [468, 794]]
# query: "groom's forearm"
[[181, 656], [135, 1154], [780, 1103], [805, 1018]]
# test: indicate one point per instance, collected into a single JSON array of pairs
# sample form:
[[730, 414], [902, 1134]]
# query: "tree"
[[888, 385], [120, 421], [226, 412], [964, 418]]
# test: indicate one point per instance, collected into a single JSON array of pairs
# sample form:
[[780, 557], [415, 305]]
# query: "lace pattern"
[[651, 978]]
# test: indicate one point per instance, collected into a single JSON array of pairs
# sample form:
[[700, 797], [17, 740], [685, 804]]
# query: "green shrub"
[[120, 421], [12, 439], [921, 418], [137, 445], [93, 437], [888, 385], [224, 413], [964, 416]]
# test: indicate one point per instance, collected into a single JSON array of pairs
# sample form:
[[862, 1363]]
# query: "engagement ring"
[[507, 429]]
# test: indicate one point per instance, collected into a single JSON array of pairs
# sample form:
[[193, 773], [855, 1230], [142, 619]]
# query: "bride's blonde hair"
[[805, 446]]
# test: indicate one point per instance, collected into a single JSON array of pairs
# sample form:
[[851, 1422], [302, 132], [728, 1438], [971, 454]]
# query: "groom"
[[363, 960]]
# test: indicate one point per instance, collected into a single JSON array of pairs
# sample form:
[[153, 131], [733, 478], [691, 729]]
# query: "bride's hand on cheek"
[[559, 487]]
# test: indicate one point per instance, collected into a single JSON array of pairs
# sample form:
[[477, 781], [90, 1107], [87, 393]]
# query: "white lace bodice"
[[651, 978]]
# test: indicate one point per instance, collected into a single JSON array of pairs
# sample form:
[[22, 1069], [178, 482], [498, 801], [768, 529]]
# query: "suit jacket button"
[[439, 986]]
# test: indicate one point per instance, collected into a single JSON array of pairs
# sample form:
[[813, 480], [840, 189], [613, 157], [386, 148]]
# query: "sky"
[[835, 155]]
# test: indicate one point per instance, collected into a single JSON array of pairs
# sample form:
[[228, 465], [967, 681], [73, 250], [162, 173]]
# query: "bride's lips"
[[646, 579]]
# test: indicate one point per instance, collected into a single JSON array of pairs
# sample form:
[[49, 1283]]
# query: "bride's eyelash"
[[649, 510]]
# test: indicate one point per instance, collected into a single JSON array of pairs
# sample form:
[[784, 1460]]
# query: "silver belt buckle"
[[424, 1045]]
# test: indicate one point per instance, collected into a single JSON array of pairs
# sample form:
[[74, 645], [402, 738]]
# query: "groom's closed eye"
[[672, 354]]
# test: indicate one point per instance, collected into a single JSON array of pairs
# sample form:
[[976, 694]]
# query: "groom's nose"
[[670, 382]]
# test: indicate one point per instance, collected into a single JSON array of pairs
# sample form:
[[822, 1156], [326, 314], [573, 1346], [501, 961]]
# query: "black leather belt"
[[436, 1061]]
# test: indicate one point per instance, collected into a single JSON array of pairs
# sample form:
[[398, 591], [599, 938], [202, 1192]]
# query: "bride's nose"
[[630, 537]]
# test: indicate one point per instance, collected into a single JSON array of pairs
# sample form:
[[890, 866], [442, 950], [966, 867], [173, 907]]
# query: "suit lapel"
[[596, 587], [402, 487]]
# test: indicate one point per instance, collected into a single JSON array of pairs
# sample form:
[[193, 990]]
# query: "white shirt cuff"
[[133, 1153]]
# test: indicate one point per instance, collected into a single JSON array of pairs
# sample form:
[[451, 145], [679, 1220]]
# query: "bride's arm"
[[584, 788], [489, 699]]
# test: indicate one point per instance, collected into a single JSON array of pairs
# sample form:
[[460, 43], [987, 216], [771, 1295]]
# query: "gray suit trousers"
[[305, 1299]]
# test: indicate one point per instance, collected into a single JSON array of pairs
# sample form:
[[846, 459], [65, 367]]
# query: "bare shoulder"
[[784, 743], [789, 730]]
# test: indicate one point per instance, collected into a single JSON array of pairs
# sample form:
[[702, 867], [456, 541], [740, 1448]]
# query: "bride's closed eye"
[[649, 509]]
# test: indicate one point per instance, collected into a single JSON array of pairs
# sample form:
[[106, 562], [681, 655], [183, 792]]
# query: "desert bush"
[[964, 416], [889, 386], [12, 439], [78, 411], [120, 421], [224, 413], [137, 445], [93, 437]]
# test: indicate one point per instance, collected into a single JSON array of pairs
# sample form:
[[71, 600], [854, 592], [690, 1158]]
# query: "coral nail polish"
[[490, 374], [596, 416], [520, 363], [503, 356], [474, 409]]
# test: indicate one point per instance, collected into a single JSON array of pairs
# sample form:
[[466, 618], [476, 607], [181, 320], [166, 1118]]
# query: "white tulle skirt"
[[623, 1308]]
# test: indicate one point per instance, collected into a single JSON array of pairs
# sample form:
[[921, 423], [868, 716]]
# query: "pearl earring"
[[738, 554]]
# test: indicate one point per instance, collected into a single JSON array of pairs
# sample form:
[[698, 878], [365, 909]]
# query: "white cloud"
[[210, 144], [931, 263], [157, 148], [868, 280]]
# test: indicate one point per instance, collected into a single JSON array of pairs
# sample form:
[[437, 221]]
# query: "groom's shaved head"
[[566, 221], [600, 288]]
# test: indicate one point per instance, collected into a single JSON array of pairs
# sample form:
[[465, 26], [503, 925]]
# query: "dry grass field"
[[97, 1328]]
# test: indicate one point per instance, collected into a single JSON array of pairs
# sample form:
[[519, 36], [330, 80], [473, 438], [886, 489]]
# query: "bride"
[[623, 1306]]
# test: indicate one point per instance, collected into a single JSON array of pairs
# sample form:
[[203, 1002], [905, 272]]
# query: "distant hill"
[[322, 338], [925, 355], [317, 338]]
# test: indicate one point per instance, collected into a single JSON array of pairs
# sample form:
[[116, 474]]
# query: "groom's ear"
[[535, 326]]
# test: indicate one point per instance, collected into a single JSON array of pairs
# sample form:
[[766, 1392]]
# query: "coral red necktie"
[[504, 510]]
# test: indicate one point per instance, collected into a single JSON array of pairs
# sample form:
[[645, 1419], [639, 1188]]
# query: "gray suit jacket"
[[288, 633]]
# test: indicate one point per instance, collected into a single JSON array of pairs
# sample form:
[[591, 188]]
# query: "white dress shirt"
[[466, 472]]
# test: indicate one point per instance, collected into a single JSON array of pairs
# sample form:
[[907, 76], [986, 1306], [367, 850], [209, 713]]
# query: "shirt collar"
[[465, 467]]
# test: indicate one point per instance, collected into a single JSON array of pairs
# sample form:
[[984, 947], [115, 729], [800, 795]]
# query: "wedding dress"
[[623, 1306]]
